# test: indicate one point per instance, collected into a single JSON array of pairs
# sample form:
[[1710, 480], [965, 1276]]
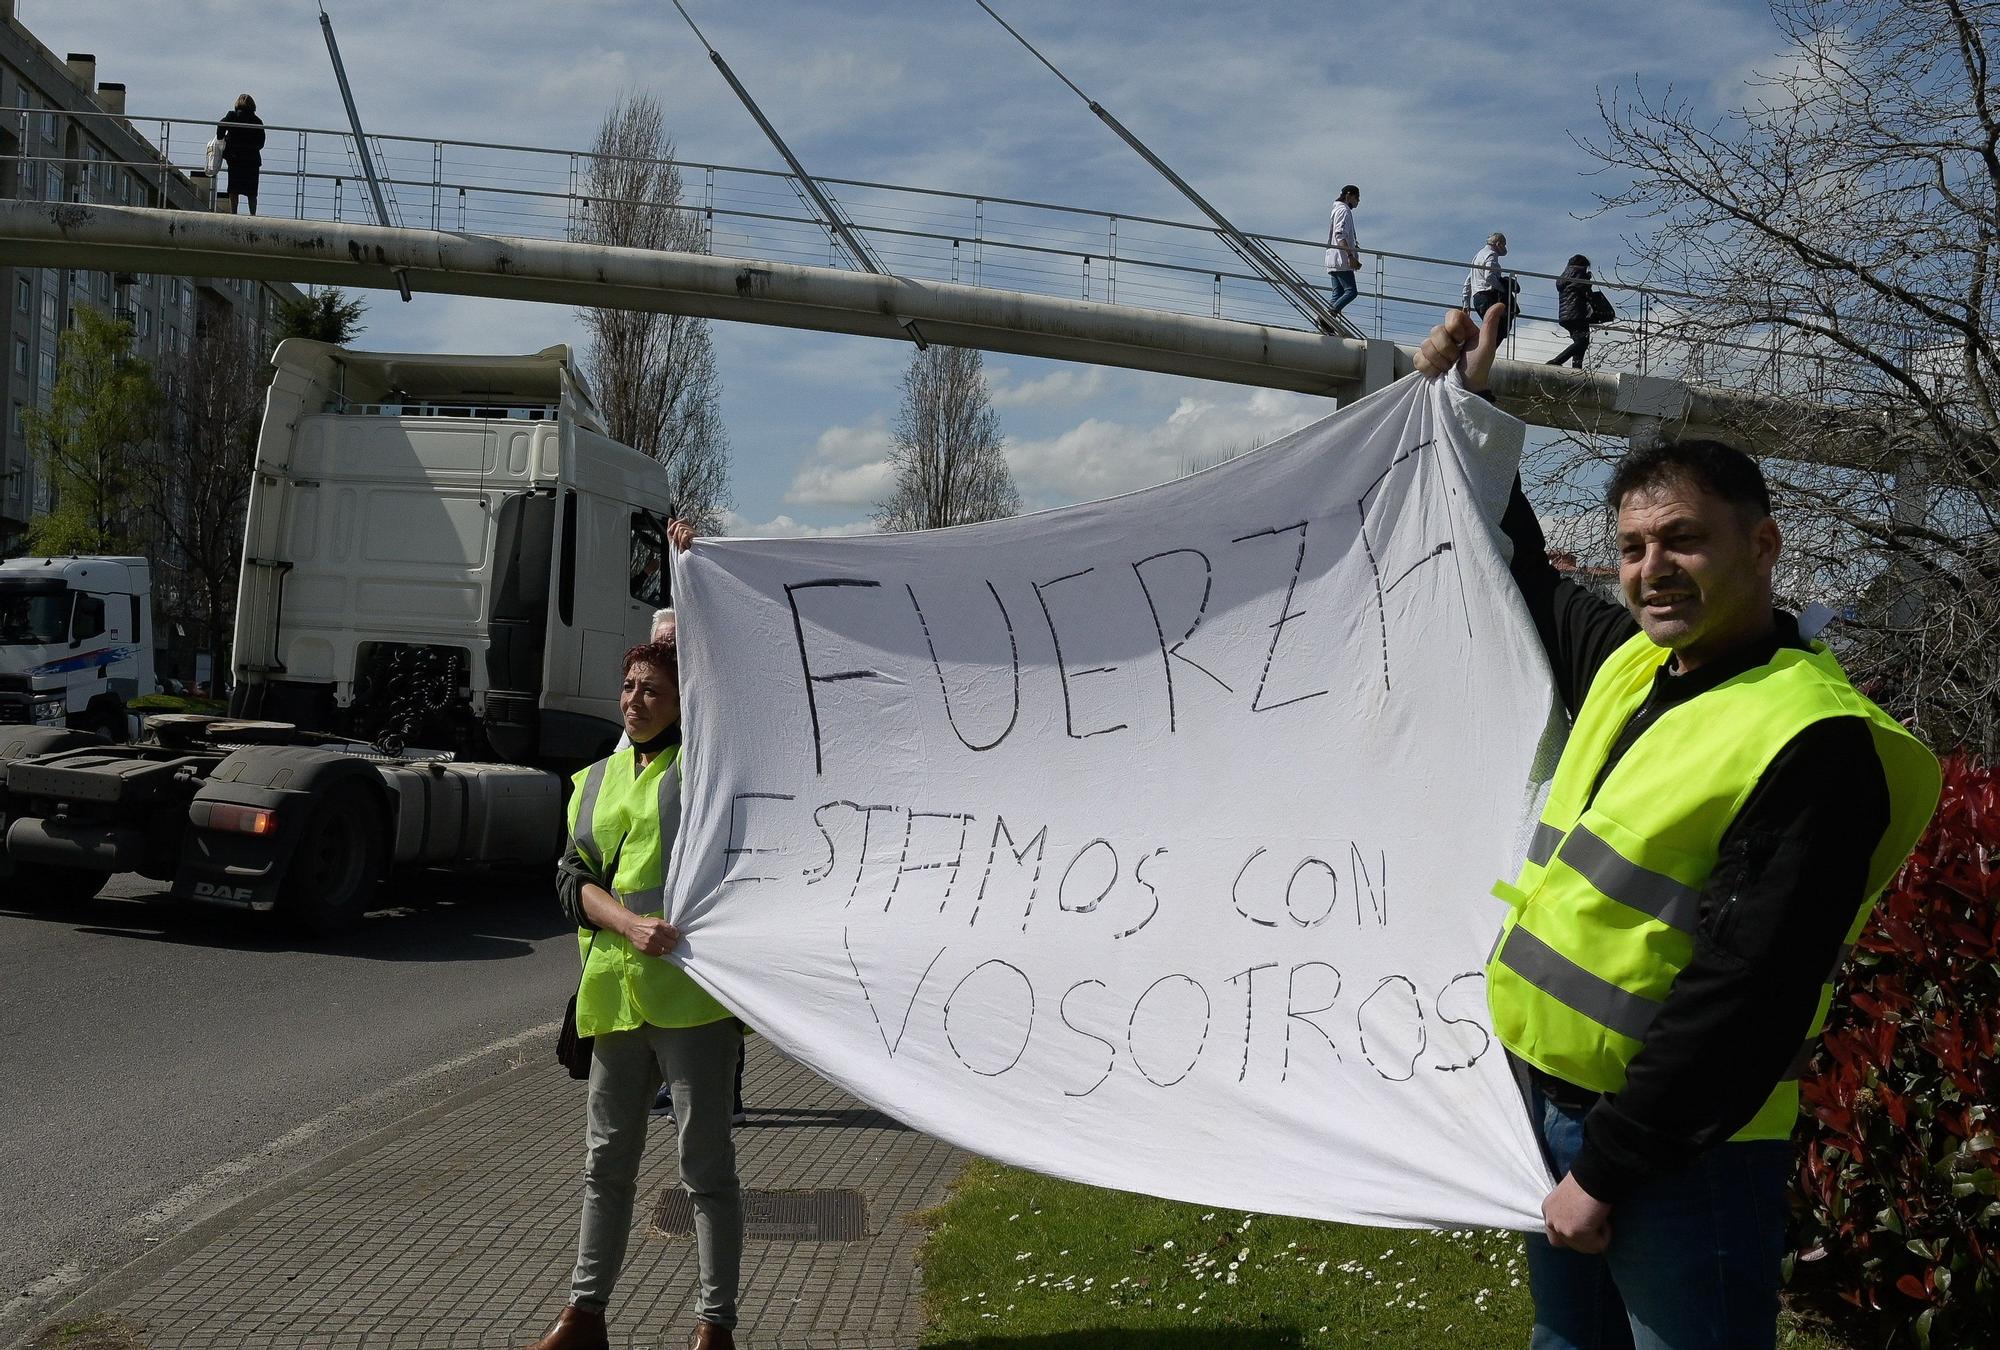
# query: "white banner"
[[1146, 842]]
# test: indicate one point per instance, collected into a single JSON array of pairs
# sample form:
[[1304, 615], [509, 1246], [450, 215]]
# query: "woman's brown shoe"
[[711, 1336], [577, 1329]]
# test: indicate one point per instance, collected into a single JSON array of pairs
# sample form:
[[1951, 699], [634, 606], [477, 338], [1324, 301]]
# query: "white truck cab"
[[447, 552], [76, 641]]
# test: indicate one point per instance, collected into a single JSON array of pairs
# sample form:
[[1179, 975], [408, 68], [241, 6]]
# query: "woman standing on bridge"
[[241, 132], [651, 1022]]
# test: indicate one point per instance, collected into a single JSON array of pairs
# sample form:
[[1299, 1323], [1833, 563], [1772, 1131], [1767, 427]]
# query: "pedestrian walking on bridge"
[[1343, 248], [1573, 310]]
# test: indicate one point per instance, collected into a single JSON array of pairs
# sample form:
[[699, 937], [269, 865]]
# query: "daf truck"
[[443, 559]]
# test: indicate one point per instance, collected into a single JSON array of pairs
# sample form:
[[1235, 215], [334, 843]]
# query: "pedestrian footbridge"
[[997, 273]]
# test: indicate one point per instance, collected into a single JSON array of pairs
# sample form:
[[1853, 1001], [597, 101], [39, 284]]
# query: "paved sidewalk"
[[458, 1229]]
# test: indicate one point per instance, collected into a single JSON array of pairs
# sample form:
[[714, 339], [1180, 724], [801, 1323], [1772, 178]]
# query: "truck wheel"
[[338, 863], [37, 886]]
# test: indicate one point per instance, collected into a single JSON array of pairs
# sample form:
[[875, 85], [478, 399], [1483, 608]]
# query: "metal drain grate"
[[777, 1216]]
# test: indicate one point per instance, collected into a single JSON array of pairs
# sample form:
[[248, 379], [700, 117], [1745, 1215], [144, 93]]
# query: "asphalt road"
[[159, 1060]]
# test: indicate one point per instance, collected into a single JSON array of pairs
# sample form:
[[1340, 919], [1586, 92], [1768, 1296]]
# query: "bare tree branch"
[[1836, 240], [198, 479], [654, 375], [947, 448]]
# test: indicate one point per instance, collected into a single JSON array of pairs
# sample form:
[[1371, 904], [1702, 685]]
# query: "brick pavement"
[[459, 1230]]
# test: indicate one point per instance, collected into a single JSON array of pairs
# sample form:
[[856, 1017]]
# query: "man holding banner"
[[1725, 813]]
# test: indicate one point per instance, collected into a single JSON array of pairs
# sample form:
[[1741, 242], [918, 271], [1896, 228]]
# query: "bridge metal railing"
[[1009, 243]]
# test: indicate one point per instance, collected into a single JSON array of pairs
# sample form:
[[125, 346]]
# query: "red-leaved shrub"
[[1900, 1169]]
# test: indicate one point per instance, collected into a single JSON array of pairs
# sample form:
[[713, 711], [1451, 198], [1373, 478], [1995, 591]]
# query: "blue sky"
[[1454, 118]]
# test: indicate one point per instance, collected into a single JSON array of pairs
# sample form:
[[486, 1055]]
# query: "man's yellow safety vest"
[[626, 821], [1605, 909]]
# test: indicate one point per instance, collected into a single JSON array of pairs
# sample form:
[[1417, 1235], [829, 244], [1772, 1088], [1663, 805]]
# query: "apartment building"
[[64, 137]]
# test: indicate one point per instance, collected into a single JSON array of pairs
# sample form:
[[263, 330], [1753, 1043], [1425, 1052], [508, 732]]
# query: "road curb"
[[121, 1284]]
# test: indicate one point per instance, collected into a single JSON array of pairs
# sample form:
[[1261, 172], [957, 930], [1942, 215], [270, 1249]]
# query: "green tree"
[[325, 315], [86, 442]]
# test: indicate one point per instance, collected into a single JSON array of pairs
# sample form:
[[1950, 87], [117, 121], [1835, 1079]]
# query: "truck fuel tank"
[[445, 812]]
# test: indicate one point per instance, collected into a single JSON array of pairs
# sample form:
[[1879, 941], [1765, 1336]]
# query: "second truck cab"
[[76, 641]]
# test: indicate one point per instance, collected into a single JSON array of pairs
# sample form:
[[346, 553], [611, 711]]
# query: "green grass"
[[102, 1332], [1017, 1261]]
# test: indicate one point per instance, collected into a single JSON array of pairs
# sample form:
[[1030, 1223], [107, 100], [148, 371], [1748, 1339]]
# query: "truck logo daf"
[[209, 890]]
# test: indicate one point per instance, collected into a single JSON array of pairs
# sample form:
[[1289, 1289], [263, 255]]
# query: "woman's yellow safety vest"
[[1605, 908], [628, 821]]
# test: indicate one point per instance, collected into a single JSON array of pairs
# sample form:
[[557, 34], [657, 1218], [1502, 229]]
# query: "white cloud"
[[848, 467], [1068, 384], [1101, 458], [784, 527]]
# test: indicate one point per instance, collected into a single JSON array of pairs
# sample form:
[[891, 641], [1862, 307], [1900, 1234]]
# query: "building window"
[[48, 124], [145, 323], [20, 356], [49, 310], [19, 424], [48, 371], [28, 167], [24, 295]]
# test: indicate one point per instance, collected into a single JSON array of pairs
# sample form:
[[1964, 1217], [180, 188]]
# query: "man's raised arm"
[[1578, 629]]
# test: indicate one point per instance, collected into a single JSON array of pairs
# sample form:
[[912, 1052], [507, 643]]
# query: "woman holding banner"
[[651, 1023]]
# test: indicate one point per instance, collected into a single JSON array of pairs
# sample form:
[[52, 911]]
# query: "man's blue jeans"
[[1344, 289], [1694, 1256]]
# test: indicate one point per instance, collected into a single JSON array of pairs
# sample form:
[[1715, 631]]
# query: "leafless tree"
[[197, 478], [654, 375], [1836, 243], [947, 447]]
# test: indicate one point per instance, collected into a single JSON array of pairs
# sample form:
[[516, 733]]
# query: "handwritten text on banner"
[[1146, 842]]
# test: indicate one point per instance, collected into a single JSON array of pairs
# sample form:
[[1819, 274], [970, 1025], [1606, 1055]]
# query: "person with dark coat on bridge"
[[1573, 309], [241, 132]]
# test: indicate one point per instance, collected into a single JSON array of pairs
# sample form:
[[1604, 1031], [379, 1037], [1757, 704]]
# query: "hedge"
[[1900, 1169]]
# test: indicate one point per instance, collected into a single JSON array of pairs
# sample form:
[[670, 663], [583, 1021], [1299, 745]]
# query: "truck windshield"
[[33, 612]]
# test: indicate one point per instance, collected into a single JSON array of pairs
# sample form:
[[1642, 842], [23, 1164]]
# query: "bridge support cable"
[[360, 141], [850, 239], [1255, 253]]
